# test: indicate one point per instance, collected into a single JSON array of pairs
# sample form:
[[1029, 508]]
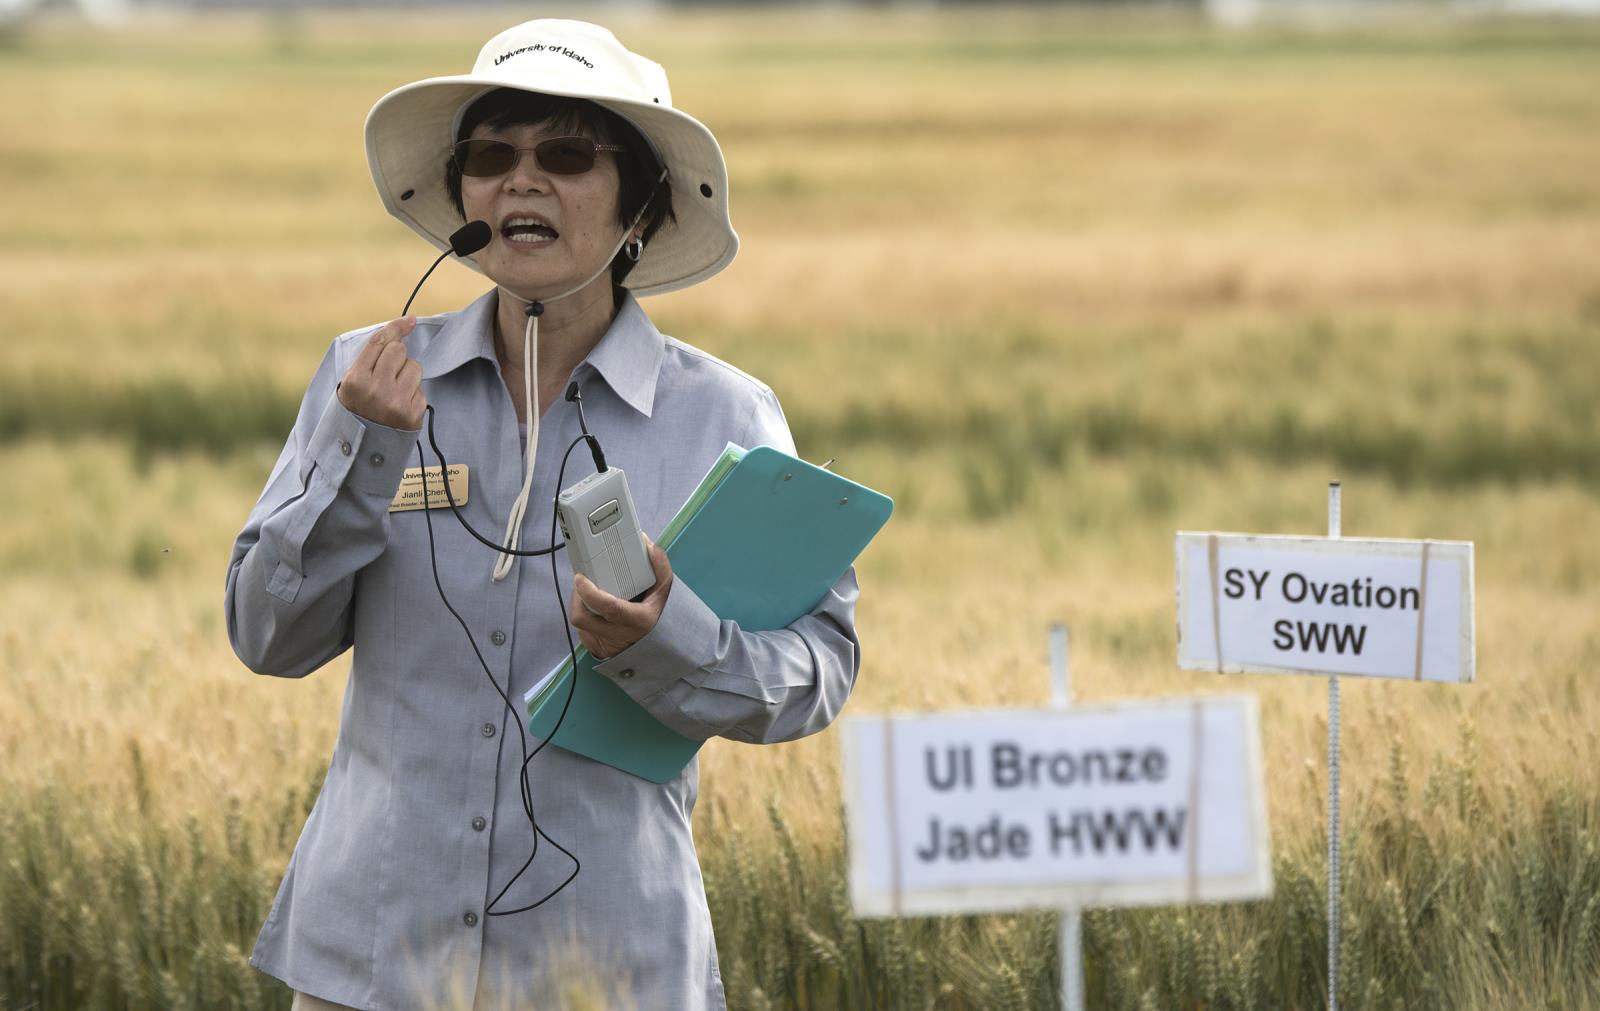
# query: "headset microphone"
[[470, 237], [465, 241]]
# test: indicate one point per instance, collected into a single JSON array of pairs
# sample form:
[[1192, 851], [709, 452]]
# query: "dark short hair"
[[638, 171]]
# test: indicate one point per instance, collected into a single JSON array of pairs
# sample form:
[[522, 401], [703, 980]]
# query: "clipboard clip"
[[820, 466]]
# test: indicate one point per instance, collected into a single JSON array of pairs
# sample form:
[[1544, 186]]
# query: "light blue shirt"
[[420, 820]]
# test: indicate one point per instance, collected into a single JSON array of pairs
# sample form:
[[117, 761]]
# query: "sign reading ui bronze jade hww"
[[1133, 804], [1380, 608]]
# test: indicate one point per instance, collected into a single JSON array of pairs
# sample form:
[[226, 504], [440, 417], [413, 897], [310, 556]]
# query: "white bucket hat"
[[411, 129]]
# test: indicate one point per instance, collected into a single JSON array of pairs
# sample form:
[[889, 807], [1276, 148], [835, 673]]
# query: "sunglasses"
[[561, 156]]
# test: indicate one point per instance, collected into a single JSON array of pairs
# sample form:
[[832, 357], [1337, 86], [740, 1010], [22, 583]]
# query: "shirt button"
[[488, 730], [498, 638], [478, 823], [344, 446], [626, 672], [377, 459], [471, 919]]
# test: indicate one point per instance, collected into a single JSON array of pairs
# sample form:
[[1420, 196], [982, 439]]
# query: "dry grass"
[[1060, 285]]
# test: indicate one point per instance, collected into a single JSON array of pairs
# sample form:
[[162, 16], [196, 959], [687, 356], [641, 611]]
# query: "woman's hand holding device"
[[607, 624], [384, 383]]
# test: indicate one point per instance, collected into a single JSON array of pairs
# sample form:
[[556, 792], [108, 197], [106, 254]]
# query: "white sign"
[[1132, 804], [1380, 608]]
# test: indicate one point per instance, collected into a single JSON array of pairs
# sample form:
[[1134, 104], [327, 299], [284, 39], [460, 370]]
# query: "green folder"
[[762, 540]]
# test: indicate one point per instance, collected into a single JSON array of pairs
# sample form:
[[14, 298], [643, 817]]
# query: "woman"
[[596, 190]]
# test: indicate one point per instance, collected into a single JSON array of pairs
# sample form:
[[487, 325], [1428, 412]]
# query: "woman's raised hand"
[[384, 384]]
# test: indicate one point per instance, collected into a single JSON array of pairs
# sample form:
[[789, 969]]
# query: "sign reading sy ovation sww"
[[1129, 804], [1380, 608]]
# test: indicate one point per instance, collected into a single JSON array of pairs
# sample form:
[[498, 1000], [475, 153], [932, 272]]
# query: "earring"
[[633, 248]]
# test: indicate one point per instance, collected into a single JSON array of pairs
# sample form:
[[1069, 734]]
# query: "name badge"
[[409, 496]]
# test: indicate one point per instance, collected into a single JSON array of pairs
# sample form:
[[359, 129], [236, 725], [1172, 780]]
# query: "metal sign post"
[[1071, 916], [1333, 793]]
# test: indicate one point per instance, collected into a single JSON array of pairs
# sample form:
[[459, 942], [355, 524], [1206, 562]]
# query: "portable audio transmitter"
[[601, 529]]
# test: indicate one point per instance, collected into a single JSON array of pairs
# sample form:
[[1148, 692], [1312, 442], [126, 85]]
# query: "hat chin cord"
[[530, 385]]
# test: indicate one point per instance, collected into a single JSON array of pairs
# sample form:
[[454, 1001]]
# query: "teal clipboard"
[[763, 538]]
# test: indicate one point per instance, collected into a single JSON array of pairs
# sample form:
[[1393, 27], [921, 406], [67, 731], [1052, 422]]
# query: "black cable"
[[572, 690], [425, 277], [464, 242], [574, 395], [527, 757], [450, 497]]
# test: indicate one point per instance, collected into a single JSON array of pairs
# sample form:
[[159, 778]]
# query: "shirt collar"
[[628, 357], [462, 336]]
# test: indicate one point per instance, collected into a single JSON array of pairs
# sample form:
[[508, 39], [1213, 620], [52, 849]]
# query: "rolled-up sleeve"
[[703, 676], [322, 517]]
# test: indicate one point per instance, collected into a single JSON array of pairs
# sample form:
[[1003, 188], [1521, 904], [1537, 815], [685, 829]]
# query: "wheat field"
[[1061, 284]]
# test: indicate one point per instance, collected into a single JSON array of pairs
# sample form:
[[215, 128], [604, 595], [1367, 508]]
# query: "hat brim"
[[410, 130]]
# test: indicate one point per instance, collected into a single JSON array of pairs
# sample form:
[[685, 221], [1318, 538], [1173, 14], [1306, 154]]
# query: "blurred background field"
[[1060, 283]]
